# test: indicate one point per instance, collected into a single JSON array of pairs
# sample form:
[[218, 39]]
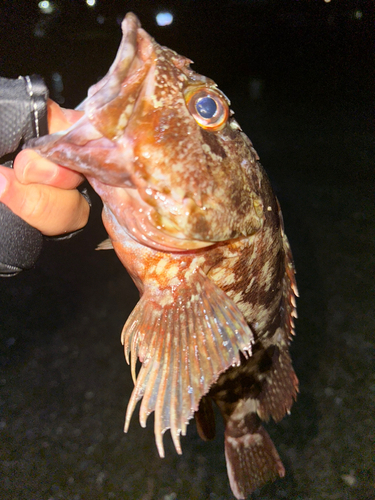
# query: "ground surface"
[[64, 383]]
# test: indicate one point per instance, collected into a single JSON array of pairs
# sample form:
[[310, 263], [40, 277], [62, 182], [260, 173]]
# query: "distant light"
[[327, 1], [358, 14], [91, 3], [164, 19], [100, 19], [256, 88], [46, 7], [57, 87], [39, 30], [57, 82]]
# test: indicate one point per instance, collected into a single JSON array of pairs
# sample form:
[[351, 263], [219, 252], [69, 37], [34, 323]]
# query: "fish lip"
[[109, 87]]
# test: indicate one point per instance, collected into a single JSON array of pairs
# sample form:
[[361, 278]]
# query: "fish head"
[[160, 146]]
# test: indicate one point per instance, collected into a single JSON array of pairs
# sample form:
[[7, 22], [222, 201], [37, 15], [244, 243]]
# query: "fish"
[[192, 216]]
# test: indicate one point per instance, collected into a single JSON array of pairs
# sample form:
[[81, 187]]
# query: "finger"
[[52, 210], [60, 118], [29, 167]]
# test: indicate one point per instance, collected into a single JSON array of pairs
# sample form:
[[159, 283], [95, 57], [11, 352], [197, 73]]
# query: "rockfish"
[[192, 216]]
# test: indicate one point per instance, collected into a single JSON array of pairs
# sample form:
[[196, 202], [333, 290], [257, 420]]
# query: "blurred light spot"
[[164, 19], [46, 7], [91, 3], [358, 14], [100, 478], [349, 479], [327, 1], [100, 19], [39, 31], [57, 82], [255, 88], [57, 88]]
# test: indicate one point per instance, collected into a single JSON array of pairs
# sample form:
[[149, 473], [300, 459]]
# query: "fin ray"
[[184, 345], [105, 245]]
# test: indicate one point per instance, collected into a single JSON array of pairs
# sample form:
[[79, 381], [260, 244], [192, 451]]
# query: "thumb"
[[60, 118]]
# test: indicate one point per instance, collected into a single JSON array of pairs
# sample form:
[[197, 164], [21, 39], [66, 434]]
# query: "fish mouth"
[[96, 139], [107, 89], [110, 102]]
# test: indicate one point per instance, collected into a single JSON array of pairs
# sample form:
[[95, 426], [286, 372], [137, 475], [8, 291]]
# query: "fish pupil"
[[206, 107]]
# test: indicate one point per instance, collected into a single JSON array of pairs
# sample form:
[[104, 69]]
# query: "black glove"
[[23, 111], [23, 115]]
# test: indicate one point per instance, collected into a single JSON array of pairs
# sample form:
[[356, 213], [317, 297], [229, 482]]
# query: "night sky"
[[330, 44]]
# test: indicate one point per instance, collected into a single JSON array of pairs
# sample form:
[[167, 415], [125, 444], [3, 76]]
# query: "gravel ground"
[[64, 383]]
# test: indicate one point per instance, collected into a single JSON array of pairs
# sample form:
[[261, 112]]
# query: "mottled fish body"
[[192, 216]]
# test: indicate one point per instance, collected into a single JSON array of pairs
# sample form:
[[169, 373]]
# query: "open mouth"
[[93, 140], [111, 101]]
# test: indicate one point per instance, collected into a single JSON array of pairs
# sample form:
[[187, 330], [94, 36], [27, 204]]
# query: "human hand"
[[42, 193]]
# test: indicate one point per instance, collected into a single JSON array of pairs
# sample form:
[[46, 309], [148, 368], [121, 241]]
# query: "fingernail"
[[3, 184], [40, 171], [30, 167]]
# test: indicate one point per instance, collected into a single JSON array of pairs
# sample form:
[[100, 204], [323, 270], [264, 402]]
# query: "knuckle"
[[35, 203], [54, 211]]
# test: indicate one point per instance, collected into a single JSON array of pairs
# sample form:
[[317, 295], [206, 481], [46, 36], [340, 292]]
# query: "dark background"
[[300, 75]]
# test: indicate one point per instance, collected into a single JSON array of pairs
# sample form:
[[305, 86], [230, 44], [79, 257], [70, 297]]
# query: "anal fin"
[[280, 388], [185, 336]]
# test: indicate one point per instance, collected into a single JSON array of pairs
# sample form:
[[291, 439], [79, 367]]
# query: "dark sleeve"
[[23, 115], [20, 243]]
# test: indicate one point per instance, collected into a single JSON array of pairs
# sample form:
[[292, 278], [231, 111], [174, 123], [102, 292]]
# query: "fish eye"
[[208, 108]]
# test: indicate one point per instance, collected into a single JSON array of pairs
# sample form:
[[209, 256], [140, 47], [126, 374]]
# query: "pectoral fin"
[[185, 337]]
